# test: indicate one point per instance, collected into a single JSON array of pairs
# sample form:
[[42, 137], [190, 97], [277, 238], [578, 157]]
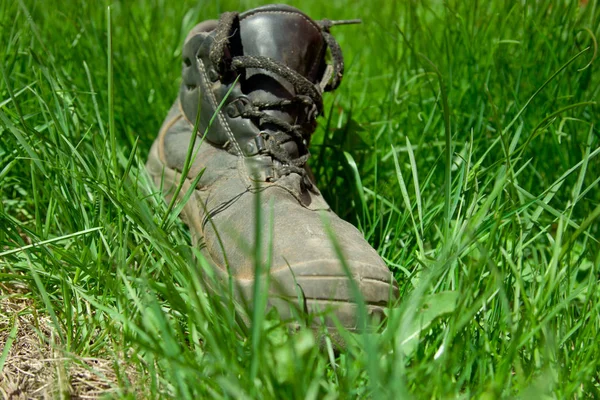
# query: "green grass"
[[464, 142]]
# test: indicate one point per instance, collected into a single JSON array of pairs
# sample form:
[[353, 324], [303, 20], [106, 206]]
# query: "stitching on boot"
[[222, 119]]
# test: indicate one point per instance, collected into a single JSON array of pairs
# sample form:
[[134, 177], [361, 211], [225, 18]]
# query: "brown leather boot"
[[252, 85]]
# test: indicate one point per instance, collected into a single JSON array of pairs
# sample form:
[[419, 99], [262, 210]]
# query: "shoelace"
[[307, 95]]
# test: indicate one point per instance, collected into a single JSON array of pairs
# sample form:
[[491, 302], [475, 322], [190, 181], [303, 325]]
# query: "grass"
[[463, 142]]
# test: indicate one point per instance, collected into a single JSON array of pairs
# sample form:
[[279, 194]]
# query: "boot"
[[250, 96]]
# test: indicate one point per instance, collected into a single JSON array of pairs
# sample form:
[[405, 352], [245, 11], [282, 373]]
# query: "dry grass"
[[36, 367]]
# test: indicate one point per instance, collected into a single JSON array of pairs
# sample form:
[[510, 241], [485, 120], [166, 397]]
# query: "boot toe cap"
[[322, 286]]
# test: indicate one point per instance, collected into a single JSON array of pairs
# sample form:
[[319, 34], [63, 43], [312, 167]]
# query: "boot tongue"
[[283, 34]]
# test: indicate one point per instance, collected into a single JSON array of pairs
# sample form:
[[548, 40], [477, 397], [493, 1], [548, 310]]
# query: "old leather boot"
[[272, 61]]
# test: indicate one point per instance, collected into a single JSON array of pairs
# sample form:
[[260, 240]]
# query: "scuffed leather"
[[227, 200], [296, 223]]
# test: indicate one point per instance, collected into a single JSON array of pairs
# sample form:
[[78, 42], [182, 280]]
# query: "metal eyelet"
[[259, 141], [238, 106], [255, 145]]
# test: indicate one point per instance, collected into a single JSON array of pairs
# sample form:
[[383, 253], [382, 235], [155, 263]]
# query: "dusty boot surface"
[[272, 62]]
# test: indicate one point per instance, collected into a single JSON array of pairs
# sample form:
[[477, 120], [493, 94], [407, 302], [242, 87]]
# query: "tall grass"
[[463, 142]]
